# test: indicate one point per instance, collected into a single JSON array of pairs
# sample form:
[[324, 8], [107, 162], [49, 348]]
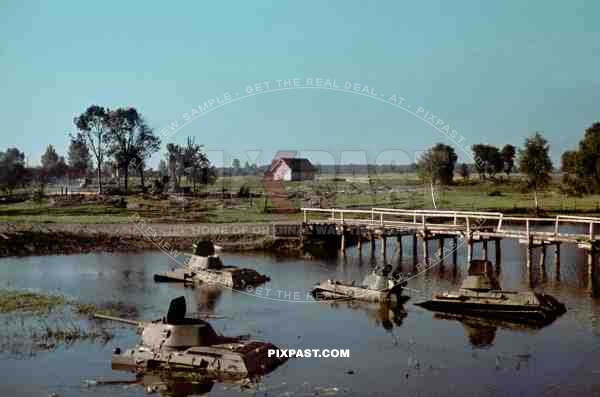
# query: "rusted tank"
[[480, 296], [378, 286], [184, 343], [205, 266]]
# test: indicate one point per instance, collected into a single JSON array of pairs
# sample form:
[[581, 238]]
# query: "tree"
[[93, 128], [464, 171], [535, 163], [437, 165], [49, 158], [162, 168], [53, 165], [79, 155], [173, 154], [146, 143], [488, 160], [570, 167], [588, 158], [196, 164], [12, 169], [190, 161], [236, 165], [129, 139], [508, 154]]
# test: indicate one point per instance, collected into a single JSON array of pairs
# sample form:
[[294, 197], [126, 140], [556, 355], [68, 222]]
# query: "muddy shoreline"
[[63, 239]]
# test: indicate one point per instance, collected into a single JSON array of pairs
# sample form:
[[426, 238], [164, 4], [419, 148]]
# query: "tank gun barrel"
[[118, 319]]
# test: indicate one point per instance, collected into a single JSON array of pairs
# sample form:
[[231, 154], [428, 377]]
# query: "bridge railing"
[[400, 217], [524, 227]]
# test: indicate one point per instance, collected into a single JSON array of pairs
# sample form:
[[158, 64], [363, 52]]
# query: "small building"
[[291, 169]]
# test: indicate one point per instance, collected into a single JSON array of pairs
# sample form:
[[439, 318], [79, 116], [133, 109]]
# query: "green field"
[[345, 191]]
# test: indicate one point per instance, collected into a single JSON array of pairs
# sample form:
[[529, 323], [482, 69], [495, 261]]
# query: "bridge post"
[[484, 244], [399, 245], [469, 250], [372, 240], [454, 251], [343, 241], [425, 250], [529, 251], [498, 247], [592, 252], [383, 246], [359, 244], [543, 259], [414, 249], [441, 249], [557, 260]]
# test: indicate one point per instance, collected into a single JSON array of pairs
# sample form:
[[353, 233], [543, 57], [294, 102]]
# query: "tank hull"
[[520, 307], [232, 277], [230, 360], [338, 290]]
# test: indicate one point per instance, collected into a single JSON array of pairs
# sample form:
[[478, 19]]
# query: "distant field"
[[343, 191]]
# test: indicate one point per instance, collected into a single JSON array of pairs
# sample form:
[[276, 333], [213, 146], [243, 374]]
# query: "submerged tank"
[[205, 266], [378, 286], [177, 342], [480, 296]]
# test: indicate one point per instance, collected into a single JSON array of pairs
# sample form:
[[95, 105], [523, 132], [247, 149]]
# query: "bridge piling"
[[557, 261], [498, 247], [399, 245], [484, 245], [543, 259], [529, 252], [454, 251], [469, 250], [414, 249]]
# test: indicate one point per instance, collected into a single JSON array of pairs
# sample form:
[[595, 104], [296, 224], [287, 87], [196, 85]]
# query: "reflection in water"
[[183, 384], [386, 315], [207, 298], [176, 385], [481, 332]]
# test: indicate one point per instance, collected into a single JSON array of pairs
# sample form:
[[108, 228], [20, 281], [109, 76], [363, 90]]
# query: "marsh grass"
[[24, 301], [36, 321]]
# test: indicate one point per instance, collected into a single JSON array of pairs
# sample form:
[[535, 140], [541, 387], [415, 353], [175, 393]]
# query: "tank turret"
[[480, 277]]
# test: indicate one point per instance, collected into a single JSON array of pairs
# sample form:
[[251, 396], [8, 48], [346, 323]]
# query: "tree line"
[[106, 140], [438, 164]]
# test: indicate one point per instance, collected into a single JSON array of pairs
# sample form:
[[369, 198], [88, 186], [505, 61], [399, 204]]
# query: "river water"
[[406, 351]]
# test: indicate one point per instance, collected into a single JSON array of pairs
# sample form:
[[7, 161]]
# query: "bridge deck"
[[464, 224]]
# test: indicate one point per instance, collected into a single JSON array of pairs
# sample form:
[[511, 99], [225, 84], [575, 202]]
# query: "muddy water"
[[409, 351]]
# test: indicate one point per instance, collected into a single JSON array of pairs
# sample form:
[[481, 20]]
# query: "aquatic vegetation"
[[25, 301], [48, 337], [37, 321], [115, 309]]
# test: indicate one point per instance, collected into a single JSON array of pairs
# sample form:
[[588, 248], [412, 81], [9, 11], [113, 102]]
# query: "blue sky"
[[495, 72]]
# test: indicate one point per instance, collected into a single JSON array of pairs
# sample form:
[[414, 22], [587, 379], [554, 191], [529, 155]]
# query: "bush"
[[244, 191], [157, 187], [495, 193]]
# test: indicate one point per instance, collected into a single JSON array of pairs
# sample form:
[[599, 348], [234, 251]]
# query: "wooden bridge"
[[471, 226]]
